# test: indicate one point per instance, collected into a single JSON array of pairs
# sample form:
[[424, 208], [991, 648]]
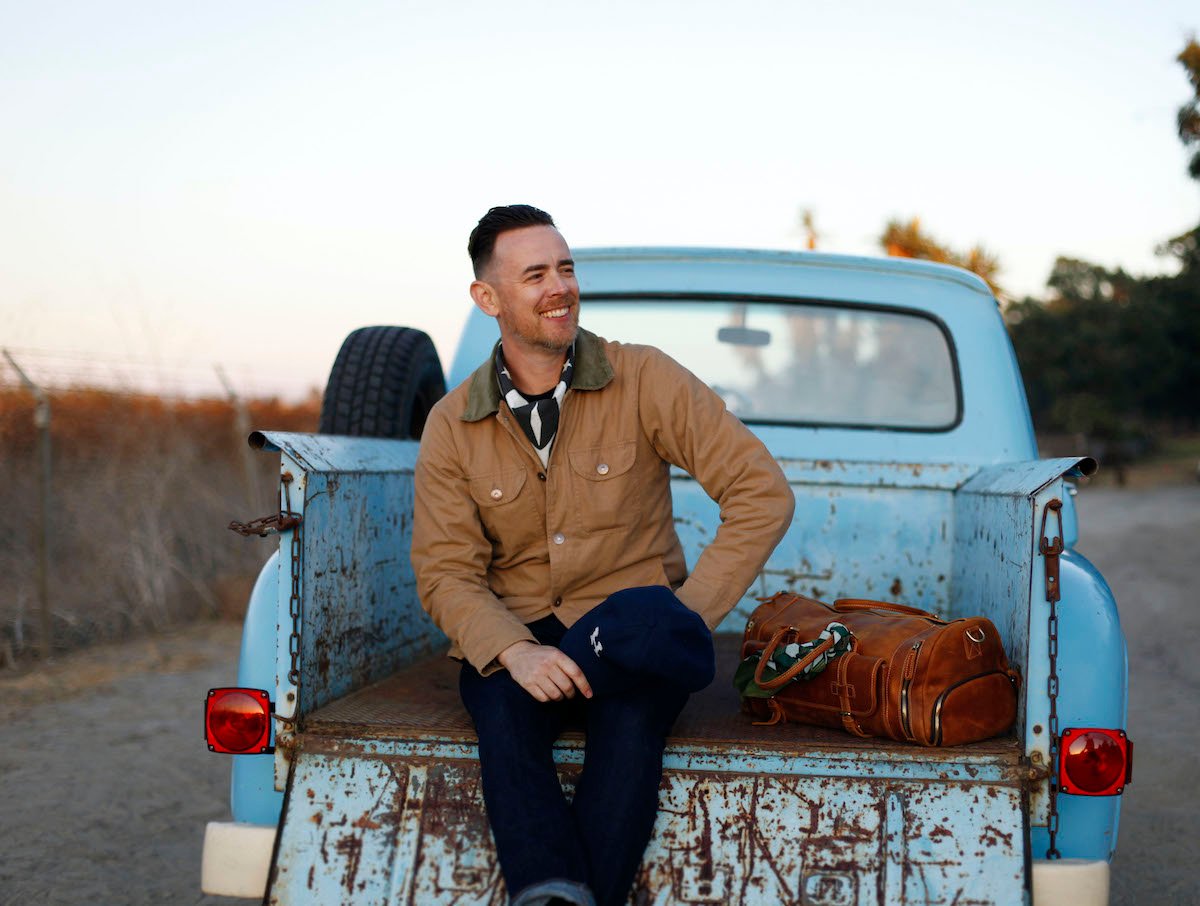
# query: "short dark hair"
[[500, 220]]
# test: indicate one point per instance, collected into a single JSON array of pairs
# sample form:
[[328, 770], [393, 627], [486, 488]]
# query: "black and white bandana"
[[537, 415]]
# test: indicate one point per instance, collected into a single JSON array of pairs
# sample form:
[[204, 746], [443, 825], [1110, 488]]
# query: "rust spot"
[[350, 847], [993, 835], [940, 831], [897, 587], [317, 818], [365, 823]]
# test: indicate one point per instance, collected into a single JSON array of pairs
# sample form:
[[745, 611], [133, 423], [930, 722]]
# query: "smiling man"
[[542, 490]]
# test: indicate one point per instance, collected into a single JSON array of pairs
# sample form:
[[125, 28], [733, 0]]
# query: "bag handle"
[[793, 671], [844, 604]]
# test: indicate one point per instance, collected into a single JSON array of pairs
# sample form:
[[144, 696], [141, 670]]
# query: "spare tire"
[[383, 384]]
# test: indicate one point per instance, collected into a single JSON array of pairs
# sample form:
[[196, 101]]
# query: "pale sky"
[[244, 183]]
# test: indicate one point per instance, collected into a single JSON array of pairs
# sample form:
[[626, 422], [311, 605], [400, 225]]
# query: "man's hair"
[[500, 220]]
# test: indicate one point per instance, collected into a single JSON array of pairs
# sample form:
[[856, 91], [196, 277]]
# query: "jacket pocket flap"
[[604, 463], [498, 488]]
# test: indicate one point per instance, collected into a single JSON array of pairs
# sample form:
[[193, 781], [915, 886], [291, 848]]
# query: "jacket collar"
[[592, 372]]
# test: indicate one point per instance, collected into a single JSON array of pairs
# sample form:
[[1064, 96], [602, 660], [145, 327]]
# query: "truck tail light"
[[238, 721], [1094, 762]]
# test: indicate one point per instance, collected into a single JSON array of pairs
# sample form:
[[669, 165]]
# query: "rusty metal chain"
[[297, 550], [1051, 550], [266, 525]]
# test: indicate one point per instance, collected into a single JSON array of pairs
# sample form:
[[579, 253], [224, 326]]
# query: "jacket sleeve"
[[451, 553], [690, 427]]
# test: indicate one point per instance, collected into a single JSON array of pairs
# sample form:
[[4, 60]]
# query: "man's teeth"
[[556, 313]]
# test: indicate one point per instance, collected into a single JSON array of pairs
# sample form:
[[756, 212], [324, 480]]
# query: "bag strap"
[[777, 715], [845, 604], [843, 693], [793, 671]]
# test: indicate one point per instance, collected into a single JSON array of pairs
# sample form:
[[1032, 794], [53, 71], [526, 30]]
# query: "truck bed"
[[422, 702], [385, 786]]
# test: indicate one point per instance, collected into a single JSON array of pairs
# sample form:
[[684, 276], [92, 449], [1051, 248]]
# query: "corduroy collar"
[[592, 372]]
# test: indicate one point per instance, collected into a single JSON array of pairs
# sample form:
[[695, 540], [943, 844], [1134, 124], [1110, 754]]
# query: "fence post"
[[41, 420], [241, 426]]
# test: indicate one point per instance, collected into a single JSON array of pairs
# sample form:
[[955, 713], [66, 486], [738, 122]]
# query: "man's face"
[[531, 289]]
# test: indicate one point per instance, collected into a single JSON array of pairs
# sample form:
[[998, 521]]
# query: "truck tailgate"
[[385, 786]]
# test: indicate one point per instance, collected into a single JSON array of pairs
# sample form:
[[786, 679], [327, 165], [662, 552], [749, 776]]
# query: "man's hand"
[[543, 671]]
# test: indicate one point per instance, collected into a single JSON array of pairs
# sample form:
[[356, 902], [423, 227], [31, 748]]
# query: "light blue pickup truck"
[[889, 393]]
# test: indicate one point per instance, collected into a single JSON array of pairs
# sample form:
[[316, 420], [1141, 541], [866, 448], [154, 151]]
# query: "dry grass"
[[142, 491]]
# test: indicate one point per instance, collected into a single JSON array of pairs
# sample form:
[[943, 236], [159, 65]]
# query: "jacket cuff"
[[707, 600], [484, 655]]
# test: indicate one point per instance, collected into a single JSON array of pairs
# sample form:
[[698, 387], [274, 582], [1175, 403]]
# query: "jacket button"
[[559, 537], [497, 493], [541, 476], [557, 602], [602, 468]]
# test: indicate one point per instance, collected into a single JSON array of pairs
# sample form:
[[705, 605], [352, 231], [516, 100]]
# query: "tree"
[[1188, 119], [908, 240], [1112, 355]]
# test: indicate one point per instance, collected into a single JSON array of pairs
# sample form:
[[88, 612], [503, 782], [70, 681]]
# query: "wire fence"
[[56, 369], [125, 492]]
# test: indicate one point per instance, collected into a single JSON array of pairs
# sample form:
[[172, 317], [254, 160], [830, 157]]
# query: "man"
[[542, 488]]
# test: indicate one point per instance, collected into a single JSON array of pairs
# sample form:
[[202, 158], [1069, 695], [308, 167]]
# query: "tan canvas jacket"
[[499, 542]]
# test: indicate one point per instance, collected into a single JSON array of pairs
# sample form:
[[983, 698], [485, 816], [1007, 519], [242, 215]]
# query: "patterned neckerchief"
[[537, 416]]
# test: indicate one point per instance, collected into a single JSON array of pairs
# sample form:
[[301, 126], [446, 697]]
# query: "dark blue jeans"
[[598, 838]]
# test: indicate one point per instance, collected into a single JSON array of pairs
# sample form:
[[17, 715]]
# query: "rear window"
[[799, 362]]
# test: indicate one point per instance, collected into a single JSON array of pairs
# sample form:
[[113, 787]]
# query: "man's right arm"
[[451, 554]]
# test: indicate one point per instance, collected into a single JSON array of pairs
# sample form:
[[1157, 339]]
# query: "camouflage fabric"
[[786, 656]]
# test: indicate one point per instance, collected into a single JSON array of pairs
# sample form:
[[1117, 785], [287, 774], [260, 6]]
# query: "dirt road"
[[1147, 545], [105, 784]]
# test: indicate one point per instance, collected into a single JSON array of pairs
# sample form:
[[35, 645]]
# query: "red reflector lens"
[[1094, 762], [238, 721]]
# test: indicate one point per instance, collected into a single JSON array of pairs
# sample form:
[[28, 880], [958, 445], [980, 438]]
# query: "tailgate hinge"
[[1050, 549]]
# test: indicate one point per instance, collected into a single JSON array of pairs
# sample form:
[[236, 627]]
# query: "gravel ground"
[[105, 784], [105, 781], [1147, 543]]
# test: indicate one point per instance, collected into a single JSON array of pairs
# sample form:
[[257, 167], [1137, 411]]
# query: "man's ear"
[[485, 298]]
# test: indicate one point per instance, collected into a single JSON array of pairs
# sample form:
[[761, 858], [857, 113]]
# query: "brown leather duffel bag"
[[908, 675]]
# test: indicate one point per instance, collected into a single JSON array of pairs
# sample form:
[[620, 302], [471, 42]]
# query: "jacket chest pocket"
[[605, 486], [509, 514]]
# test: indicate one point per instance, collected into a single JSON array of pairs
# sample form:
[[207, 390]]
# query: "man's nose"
[[558, 285]]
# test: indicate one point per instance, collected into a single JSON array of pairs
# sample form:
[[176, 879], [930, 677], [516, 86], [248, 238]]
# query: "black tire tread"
[[382, 384]]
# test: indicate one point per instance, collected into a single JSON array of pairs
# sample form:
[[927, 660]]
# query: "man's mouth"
[[557, 312]]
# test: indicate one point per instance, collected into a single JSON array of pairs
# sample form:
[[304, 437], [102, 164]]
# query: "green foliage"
[[1112, 356], [1188, 119], [1109, 355]]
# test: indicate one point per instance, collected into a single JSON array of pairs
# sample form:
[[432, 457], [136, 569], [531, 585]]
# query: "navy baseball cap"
[[642, 635]]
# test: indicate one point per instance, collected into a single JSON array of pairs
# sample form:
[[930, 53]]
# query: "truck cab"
[[889, 393]]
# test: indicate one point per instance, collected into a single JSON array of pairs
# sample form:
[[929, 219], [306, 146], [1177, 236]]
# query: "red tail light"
[[238, 721], [1094, 762]]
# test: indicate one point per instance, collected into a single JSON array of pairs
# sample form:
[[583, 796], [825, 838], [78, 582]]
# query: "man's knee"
[[500, 708], [635, 719]]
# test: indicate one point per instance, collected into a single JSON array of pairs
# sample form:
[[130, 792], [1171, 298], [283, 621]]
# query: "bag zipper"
[[935, 729], [910, 670]]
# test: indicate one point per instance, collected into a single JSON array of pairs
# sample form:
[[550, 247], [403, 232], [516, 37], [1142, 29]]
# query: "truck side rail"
[[998, 525], [347, 605]]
